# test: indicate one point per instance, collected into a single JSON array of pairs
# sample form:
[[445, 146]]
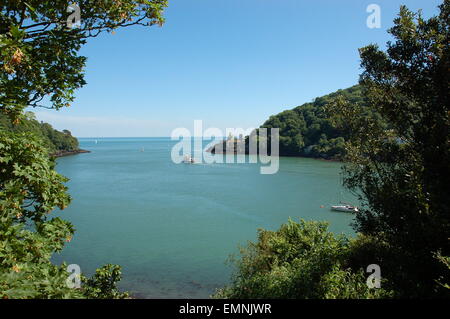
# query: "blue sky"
[[230, 63]]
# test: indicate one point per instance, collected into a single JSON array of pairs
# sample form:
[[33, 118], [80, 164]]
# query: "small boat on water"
[[188, 160], [345, 208]]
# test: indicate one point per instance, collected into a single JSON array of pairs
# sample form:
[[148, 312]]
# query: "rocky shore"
[[68, 153]]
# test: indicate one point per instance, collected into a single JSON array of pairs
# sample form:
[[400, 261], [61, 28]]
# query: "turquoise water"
[[172, 226]]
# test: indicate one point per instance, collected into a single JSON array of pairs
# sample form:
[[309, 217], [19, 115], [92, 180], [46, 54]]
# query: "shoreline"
[[69, 153], [292, 156]]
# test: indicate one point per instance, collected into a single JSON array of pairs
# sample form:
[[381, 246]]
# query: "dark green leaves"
[[40, 66], [300, 260], [39, 57], [401, 170]]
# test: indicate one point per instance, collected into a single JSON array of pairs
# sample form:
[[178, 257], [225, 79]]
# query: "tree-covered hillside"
[[55, 141], [310, 130]]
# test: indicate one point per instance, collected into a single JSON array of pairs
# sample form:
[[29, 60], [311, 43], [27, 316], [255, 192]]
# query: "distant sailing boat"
[[188, 160], [344, 207]]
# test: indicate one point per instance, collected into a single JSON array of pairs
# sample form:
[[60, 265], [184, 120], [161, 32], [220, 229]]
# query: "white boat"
[[188, 160], [345, 208]]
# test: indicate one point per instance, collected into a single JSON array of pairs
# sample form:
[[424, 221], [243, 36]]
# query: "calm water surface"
[[171, 227]]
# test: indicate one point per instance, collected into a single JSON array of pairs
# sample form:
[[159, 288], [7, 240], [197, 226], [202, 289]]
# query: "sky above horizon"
[[229, 63]]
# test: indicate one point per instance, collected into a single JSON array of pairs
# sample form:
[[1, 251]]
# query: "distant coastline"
[[211, 150], [69, 153], [307, 131], [234, 149]]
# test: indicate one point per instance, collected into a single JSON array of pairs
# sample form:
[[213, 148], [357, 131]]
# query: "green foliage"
[[103, 284], [395, 133], [308, 130], [40, 66], [30, 189], [55, 141], [300, 260], [401, 173], [445, 260], [345, 284], [39, 59]]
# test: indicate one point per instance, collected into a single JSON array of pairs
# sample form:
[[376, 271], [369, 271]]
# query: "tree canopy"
[[396, 160], [299, 260], [402, 173], [54, 140], [30, 189], [40, 66], [40, 63], [309, 130]]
